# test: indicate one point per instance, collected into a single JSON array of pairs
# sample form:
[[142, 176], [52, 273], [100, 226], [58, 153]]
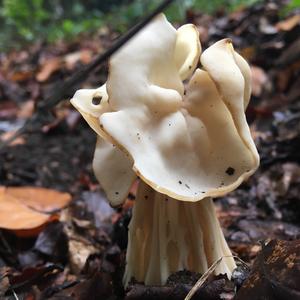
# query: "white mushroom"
[[92, 103], [167, 235], [112, 167], [232, 76], [180, 148], [184, 146], [187, 50]]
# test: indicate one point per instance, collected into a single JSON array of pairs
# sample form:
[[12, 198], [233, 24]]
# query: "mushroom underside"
[[166, 236]]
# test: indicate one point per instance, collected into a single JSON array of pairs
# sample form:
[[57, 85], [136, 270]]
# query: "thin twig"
[[55, 98], [81, 75], [209, 271], [15, 295]]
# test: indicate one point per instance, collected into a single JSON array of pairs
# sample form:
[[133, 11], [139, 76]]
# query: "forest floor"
[[78, 252]]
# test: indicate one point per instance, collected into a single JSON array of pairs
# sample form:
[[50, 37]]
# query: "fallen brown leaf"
[[79, 251], [259, 79], [23, 209], [4, 281], [26, 109], [275, 274], [99, 286], [7, 135], [20, 76], [34, 232], [290, 56], [48, 68], [14, 215], [248, 53], [8, 109], [84, 56], [288, 24], [40, 199]]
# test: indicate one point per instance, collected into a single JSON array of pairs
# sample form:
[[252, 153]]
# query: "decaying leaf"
[[53, 242], [7, 136], [26, 109], [79, 251], [99, 286], [48, 68], [276, 273], [4, 281], [259, 79], [289, 23], [84, 56]]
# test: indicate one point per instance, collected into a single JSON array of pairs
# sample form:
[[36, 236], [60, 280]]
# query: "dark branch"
[[55, 98], [81, 75]]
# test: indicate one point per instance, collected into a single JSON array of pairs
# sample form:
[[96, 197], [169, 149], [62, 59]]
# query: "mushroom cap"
[[187, 50], [83, 102], [143, 72], [112, 167], [186, 150], [224, 156], [234, 89]]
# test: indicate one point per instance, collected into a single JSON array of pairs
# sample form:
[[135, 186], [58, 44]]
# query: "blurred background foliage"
[[26, 21]]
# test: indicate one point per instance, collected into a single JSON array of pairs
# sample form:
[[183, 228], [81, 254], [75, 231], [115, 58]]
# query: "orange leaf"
[[85, 56], [21, 75], [32, 232], [9, 134], [51, 65], [15, 215], [26, 109], [23, 209], [259, 80], [40, 199], [288, 24]]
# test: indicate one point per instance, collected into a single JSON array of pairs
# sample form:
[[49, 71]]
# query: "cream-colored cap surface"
[[186, 147]]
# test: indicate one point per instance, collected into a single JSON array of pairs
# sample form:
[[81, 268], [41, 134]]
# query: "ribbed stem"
[[167, 235]]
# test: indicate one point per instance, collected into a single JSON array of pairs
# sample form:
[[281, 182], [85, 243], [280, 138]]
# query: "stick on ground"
[[67, 86]]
